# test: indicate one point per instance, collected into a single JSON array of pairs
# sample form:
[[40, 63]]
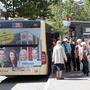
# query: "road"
[[23, 83], [75, 80]]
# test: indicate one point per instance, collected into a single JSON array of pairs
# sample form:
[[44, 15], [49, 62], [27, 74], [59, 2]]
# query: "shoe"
[[60, 78], [87, 74], [74, 69], [78, 69]]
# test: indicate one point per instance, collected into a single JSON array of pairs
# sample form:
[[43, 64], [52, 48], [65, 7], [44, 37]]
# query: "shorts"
[[59, 66]]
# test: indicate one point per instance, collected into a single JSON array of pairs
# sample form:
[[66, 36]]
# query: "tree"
[[34, 8], [61, 10], [78, 12], [27, 8], [87, 9], [56, 10], [11, 6]]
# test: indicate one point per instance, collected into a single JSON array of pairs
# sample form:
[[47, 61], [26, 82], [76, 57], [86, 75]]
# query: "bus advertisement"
[[22, 51]]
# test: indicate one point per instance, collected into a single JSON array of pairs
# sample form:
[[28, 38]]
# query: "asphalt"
[[74, 80]]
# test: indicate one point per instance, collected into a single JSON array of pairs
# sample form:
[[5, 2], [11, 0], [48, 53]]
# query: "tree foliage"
[[87, 9], [61, 10], [55, 10], [27, 8], [34, 8]]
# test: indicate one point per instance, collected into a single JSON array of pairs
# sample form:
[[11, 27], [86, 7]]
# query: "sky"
[[2, 6]]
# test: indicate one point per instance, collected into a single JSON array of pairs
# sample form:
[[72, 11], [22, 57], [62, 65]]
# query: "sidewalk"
[[72, 81]]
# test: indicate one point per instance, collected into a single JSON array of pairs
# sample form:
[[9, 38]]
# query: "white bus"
[[25, 47]]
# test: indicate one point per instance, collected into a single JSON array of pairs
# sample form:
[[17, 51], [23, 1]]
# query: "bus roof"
[[19, 24]]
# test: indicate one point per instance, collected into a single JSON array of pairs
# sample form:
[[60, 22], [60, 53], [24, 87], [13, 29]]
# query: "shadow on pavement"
[[74, 79], [9, 83], [26, 79], [73, 75]]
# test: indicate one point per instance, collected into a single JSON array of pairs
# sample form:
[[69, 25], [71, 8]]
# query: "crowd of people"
[[71, 55]]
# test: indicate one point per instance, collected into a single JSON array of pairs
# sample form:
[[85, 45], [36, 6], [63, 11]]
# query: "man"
[[58, 57], [67, 48], [73, 55]]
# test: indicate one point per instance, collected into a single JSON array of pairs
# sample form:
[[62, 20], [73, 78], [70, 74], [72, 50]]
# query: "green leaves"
[[60, 10], [27, 8]]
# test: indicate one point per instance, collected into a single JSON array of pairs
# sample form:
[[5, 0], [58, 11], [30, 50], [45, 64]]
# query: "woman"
[[22, 58], [12, 59], [85, 69], [23, 55], [78, 53], [58, 58], [88, 48]]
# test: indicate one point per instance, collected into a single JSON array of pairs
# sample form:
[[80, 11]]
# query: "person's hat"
[[79, 40], [65, 40], [83, 43], [58, 42]]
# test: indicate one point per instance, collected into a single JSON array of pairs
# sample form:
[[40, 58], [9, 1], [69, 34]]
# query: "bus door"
[[50, 36]]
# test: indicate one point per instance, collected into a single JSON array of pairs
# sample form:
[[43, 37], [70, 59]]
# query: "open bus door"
[[50, 36]]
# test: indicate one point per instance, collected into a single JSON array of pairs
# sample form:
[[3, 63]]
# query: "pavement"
[[74, 80], [2, 78]]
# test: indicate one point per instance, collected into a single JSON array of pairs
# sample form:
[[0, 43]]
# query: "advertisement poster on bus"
[[20, 48]]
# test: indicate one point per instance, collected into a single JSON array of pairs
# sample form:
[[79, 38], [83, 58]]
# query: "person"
[[67, 48], [78, 51], [2, 57], [34, 53], [73, 55], [54, 42], [23, 55], [12, 62], [84, 59], [58, 58], [22, 58], [52, 45], [88, 48]]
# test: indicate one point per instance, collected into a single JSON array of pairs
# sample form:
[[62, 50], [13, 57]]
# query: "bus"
[[25, 47], [80, 29]]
